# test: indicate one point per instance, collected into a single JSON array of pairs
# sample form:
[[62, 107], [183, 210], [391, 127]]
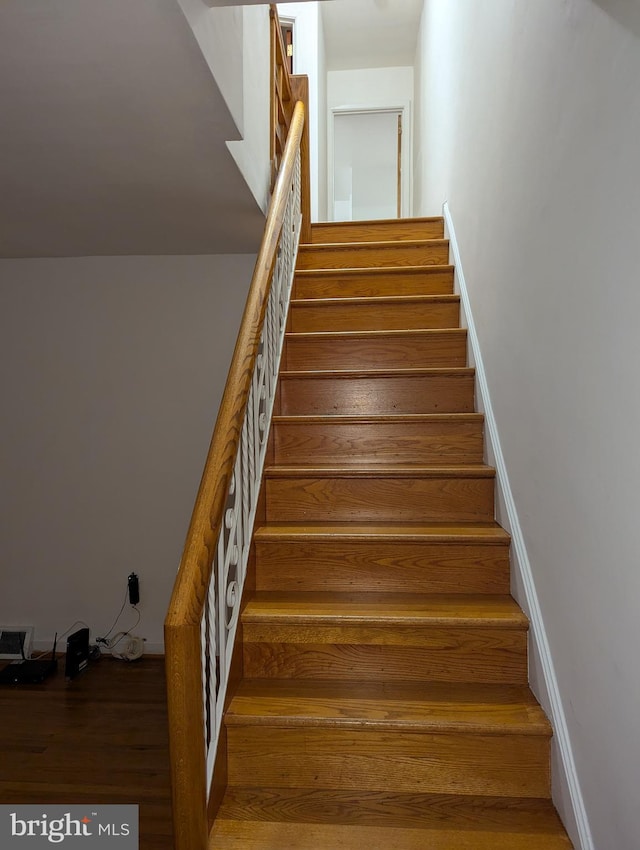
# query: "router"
[[77, 658], [30, 671]]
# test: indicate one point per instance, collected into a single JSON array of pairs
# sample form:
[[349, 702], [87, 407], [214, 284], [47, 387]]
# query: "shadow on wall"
[[626, 12]]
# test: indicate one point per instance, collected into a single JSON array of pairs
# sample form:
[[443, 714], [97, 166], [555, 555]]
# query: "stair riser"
[[377, 231], [384, 499], [374, 654], [361, 317], [354, 444], [380, 567], [373, 256], [371, 284], [451, 393], [487, 765], [446, 348]]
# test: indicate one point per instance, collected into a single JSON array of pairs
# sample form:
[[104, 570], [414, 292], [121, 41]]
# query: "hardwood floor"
[[101, 738]]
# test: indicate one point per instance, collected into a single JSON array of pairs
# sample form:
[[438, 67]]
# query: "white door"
[[366, 165]]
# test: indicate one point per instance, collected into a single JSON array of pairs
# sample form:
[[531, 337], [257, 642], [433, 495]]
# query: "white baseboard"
[[523, 575]]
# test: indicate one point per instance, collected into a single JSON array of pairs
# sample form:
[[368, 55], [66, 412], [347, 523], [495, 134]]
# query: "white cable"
[[131, 649]]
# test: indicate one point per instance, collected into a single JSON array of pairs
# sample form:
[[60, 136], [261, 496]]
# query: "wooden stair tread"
[[436, 707], [374, 335], [251, 835], [373, 254], [400, 372], [377, 221], [373, 391], [422, 439], [410, 219], [374, 300], [462, 532], [376, 271], [392, 809], [388, 418], [373, 349], [416, 278], [384, 699], [479, 470], [310, 247], [319, 819], [385, 609]]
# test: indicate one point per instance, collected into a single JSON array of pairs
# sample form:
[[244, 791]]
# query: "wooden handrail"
[[183, 622]]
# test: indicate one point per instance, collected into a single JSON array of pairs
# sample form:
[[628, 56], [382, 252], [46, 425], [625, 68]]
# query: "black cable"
[[59, 636], [115, 622], [122, 635]]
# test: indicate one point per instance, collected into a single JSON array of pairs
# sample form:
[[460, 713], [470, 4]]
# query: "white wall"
[[114, 136], [309, 59], [529, 125], [372, 88], [111, 373], [219, 33], [235, 43], [321, 179], [252, 153]]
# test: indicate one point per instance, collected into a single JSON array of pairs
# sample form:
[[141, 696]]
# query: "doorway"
[[286, 28], [368, 159]]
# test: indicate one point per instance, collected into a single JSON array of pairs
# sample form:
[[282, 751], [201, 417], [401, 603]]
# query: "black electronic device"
[[77, 658], [134, 589], [30, 671]]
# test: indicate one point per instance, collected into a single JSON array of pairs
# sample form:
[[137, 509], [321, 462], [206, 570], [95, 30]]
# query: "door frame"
[[406, 160], [286, 20]]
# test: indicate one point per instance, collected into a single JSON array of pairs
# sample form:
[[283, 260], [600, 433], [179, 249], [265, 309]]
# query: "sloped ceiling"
[[114, 135]]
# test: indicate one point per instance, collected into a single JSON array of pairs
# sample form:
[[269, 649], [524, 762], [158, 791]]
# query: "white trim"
[[401, 106], [520, 559]]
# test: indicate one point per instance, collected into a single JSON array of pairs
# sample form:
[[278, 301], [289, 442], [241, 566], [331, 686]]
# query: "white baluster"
[[233, 545]]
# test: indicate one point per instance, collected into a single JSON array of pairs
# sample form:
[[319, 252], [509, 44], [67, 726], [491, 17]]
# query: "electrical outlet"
[[134, 589]]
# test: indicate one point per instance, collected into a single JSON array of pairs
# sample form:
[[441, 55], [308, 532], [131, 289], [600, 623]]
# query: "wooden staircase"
[[383, 698]]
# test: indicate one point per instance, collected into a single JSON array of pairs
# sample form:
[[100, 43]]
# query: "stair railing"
[[205, 605]]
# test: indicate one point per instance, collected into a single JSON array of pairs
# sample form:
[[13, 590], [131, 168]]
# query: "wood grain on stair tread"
[[439, 439], [421, 706], [502, 815], [377, 557], [358, 283], [403, 609], [388, 470], [366, 653], [352, 350], [392, 637], [381, 565], [378, 230], [350, 759], [488, 532], [385, 698], [377, 391], [408, 494], [396, 313], [265, 835], [379, 419], [373, 254]]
